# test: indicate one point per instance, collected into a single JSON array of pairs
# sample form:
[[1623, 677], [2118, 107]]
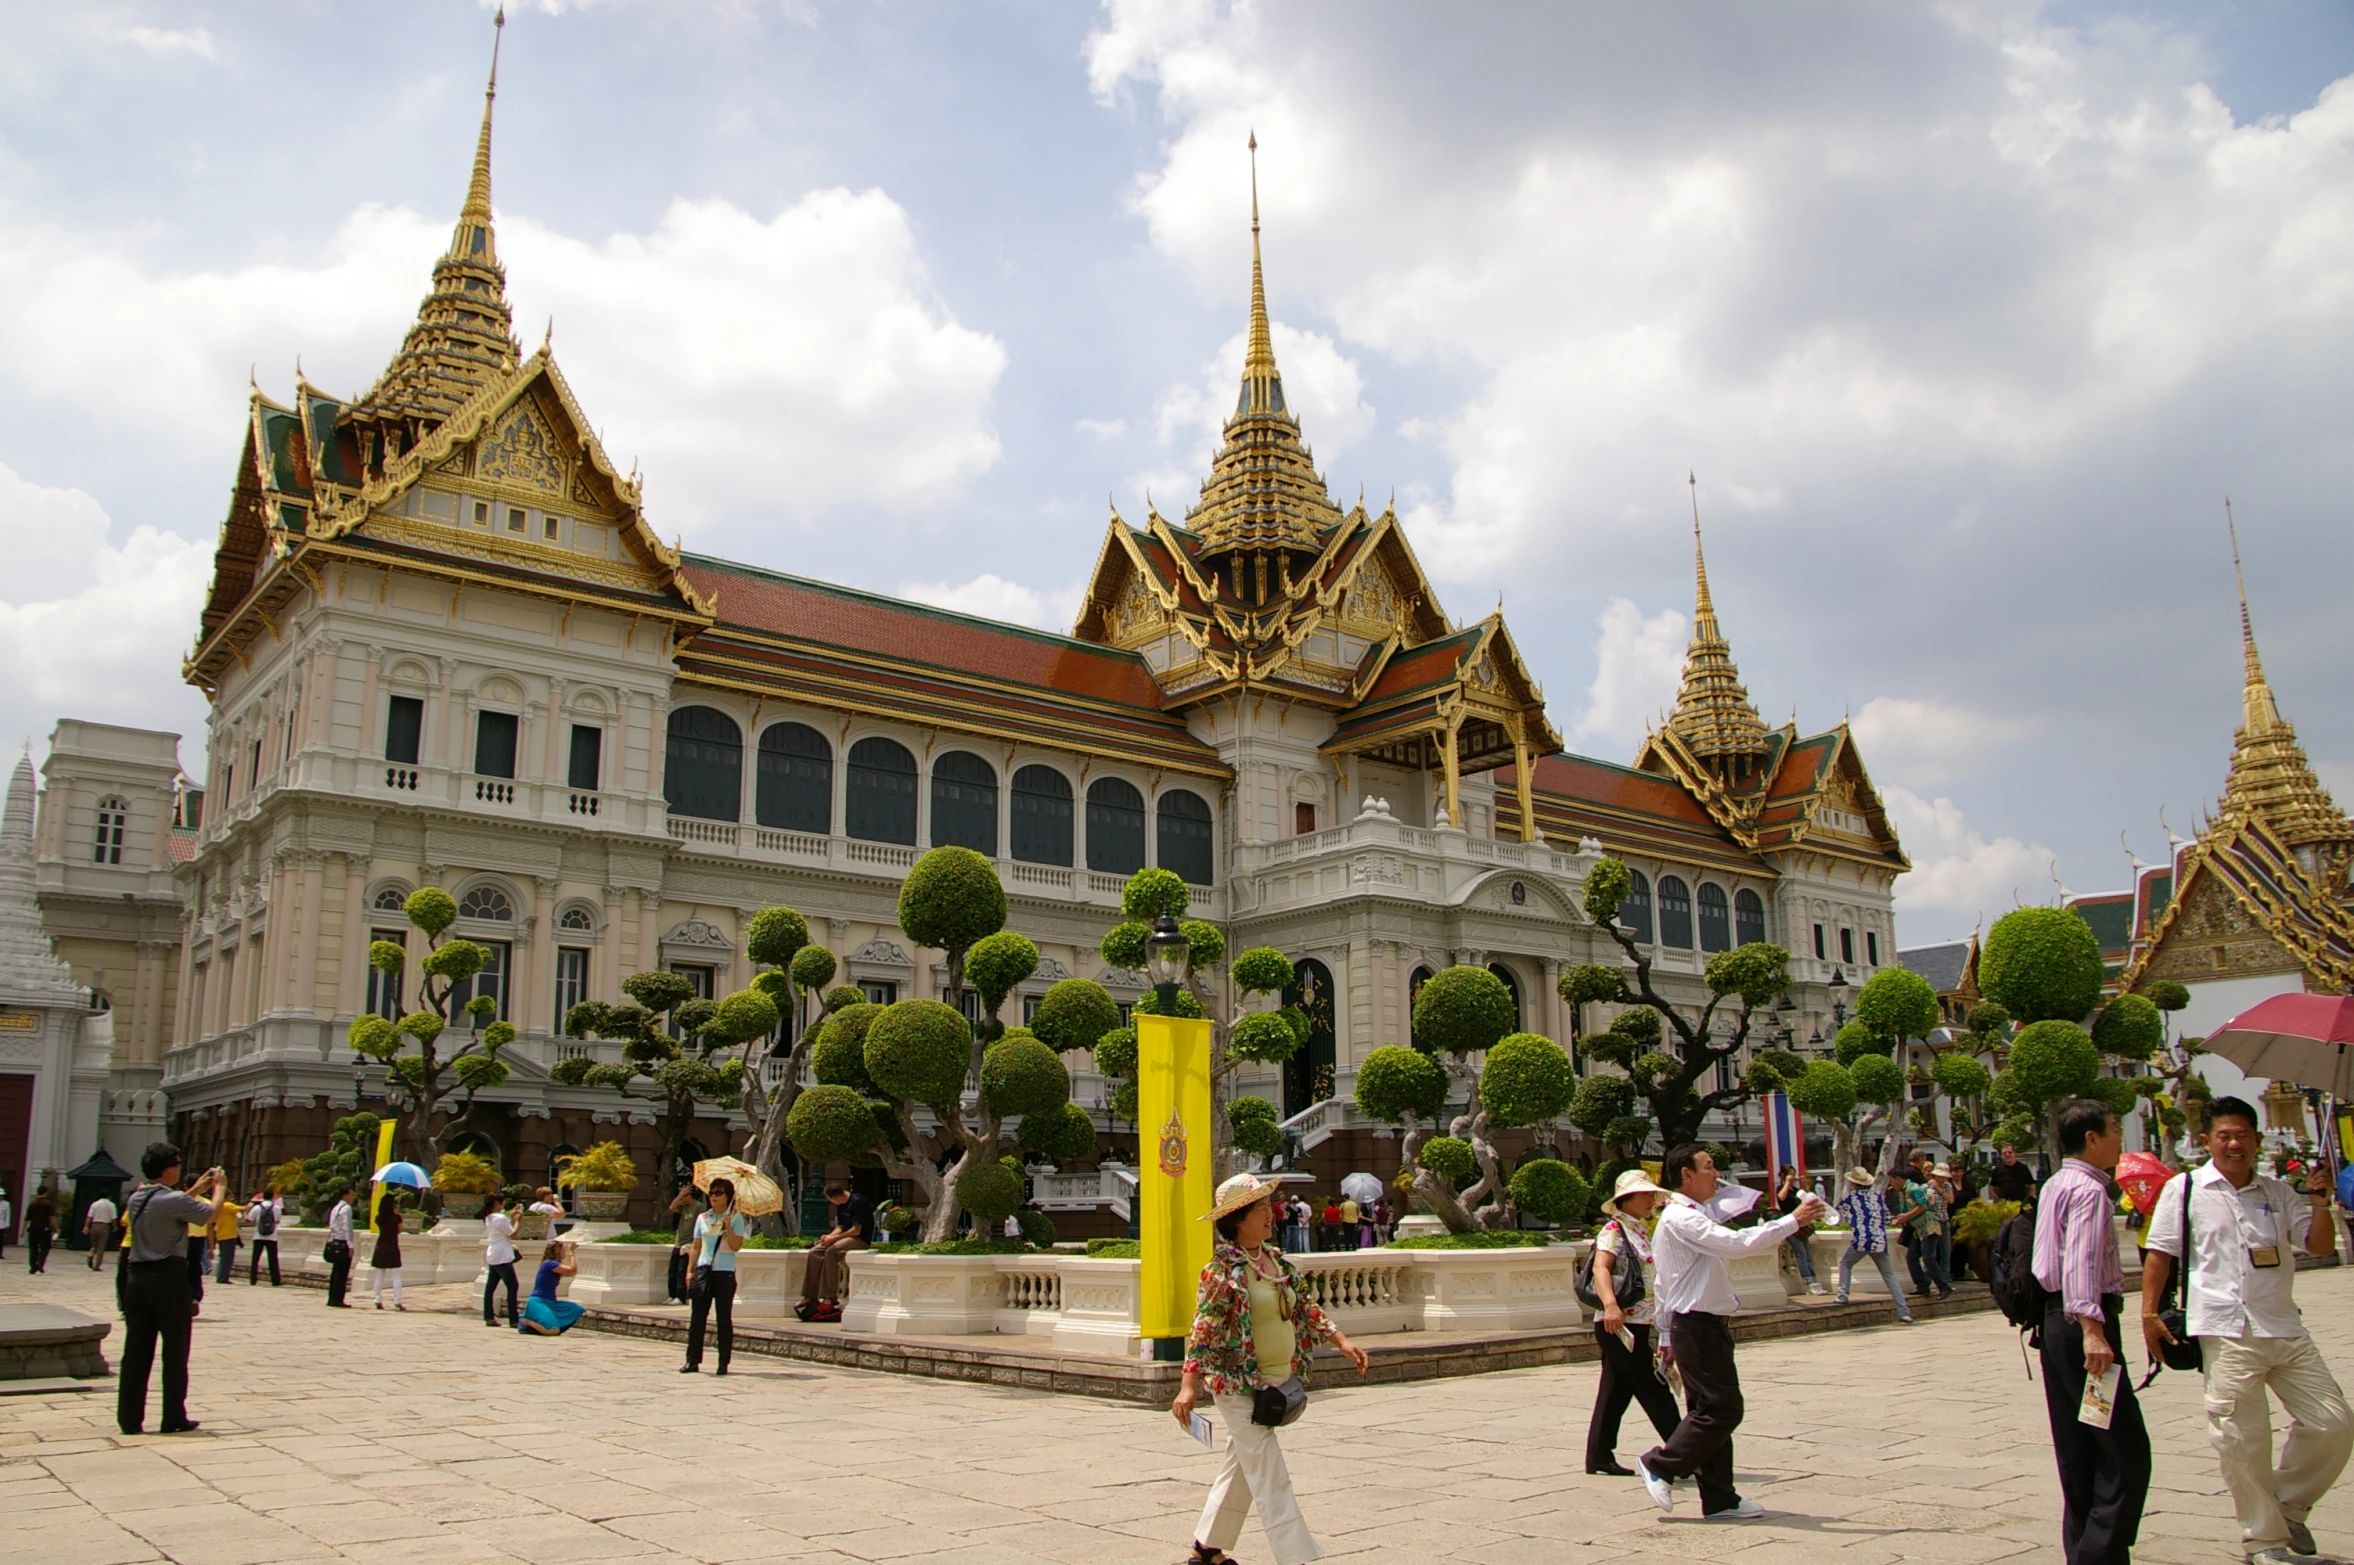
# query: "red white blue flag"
[[1785, 1136]]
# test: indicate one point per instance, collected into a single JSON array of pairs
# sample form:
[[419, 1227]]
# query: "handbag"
[[1627, 1285], [1272, 1407], [2183, 1352]]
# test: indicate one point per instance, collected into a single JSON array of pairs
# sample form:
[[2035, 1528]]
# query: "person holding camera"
[[2237, 1262], [158, 1298], [1254, 1334]]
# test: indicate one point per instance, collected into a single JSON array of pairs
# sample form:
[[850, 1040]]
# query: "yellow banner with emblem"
[[383, 1156], [1173, 1179]]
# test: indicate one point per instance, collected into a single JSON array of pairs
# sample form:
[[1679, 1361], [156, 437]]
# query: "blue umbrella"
[[403, 1174]]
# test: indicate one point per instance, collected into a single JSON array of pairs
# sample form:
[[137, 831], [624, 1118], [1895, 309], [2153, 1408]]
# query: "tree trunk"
[[1432, 1192]]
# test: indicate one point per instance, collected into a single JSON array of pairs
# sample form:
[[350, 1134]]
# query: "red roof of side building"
[[1623, 809]]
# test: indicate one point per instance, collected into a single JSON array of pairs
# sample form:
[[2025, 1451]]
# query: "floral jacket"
[[1219, 1348]]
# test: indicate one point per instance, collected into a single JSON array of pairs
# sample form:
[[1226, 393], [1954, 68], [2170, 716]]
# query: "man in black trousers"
[[158, 1301], [338, 1251]]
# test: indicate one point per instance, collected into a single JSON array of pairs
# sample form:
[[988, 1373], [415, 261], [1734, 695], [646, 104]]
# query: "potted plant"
[[600, 1180], [464, 1180], [1974, 1229]]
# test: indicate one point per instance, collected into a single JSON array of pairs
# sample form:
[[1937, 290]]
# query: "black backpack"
[[2017, 1294]]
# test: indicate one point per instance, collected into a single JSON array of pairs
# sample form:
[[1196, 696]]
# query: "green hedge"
[[1114, 1250], [1503, 1239]]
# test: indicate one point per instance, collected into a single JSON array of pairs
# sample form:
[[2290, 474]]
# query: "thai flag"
[[1785, 1136]]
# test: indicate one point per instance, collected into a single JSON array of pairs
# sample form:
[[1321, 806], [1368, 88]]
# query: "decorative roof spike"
[[2270, 778], [1713, 715]]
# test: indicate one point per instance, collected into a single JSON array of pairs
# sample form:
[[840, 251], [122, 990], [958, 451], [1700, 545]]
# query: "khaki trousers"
[[1254, 1470], [2239, 1422]]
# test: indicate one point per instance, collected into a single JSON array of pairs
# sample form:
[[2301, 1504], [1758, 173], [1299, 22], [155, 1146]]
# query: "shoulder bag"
[[1625, 1281], [2183, 1352]]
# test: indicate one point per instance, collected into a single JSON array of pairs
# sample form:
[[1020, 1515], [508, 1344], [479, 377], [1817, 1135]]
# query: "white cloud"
[[1958, 874], [90, 628], [1102, 428], [1322, 385], [1638, 660], [1923, 742], [993, 597], [165, 41]]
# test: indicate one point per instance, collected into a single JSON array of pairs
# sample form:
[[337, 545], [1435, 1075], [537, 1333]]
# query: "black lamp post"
[[1838, 988], [1166, 954], [359, 1083]]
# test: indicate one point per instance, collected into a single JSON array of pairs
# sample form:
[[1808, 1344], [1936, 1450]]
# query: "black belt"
[[169, 1260]]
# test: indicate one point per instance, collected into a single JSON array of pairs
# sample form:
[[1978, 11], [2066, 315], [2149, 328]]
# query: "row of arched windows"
[[703, 775], [1723, 924]]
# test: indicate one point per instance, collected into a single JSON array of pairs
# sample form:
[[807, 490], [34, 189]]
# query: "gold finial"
[[1701, 604], [2255, 668], [475, 215], [1713, 714], [1258, 364], [2270, 777]]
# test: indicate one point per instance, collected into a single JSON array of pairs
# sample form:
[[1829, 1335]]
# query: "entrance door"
[[1307, 1075], [16, 1146]]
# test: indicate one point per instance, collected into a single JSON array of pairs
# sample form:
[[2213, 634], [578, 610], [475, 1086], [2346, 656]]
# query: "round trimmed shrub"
[[658, 991], [2167, 995], [430, 909], [1857, 1042], [996, 964], [1123, 945], [1877, 1078], [1152, 892], [387, 956], [2042, 964], [1591, 983], [1037, 1228], [1897, 1003], [1550, 1191], [992, 1192], [1205, 944], [1607, 884], [1824, 1090], [1060, 1134], [1074, 1014], [1264, 1036], [832, 1124], [1600, 1100], [1640, 1023], [1451, 1158], [1115, 1053], [1758, 972], [844, 994], [812, 969], [1527, 1079], [1022, 1076], [2119, 1094], [1124, 1101], [742, 1017], [1463, 1010], [455, 960], [2131, 1027], [1959, 1076], [1262, 970], [950, 899], [775, 935], [2050, 1060], [1396, 1083], [919, 1051], [1149, 1004], [838, 1057], [373, 1036]]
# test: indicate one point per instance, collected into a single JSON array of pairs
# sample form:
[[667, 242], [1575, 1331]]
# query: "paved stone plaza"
[[423, 1437]]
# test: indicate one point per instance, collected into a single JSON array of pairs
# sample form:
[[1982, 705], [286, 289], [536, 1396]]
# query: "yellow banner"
[[1174, 1186], [384, 1130]]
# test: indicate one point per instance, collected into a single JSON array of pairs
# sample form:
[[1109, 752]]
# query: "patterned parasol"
[[757, 1195], [2142, 1175]]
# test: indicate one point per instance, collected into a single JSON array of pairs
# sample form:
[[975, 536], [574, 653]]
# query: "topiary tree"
[[1605, 1108], [1238, 1036], [2042, 964], [2049, 1061], [2182, 1093], [777, 940], [1895, 1005], [1589, 983], [1964, 1082], [1550, 1191], [1668, 1078], [1257, 1126], [416, 1047], [349, 1159]]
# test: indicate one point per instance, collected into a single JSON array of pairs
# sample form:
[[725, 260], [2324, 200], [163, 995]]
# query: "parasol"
[[1363, 1189], [402, 1174], [757, 1195], [2307, 1039], [2142, 1175]]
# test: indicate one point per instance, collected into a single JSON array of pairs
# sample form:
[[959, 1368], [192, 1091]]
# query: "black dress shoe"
[[1613, 1470], [188, 1428], [686, 1369]]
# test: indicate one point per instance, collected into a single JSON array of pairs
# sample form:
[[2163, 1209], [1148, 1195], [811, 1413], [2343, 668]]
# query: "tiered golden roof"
[[1713, 715], [463, 338], [1263, 491], [2270, 778]]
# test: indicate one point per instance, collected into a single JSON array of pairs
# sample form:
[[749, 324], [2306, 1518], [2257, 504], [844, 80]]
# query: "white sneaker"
[[2282, 1554], [1817, 1289], [1662, 1493], [1746, 1511]]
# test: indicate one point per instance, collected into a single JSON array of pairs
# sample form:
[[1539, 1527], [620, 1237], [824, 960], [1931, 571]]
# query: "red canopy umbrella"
[[2142, 1175], [2306, 1039]]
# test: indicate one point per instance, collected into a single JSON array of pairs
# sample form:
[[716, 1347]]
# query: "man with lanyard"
[[719, 1234], [1689, 1251], [2104, 1473], [158, 1295], [2244, 1227], [339, 1250]]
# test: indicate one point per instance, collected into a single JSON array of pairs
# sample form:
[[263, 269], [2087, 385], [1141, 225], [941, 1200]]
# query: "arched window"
[[392, 899], [1042, 816], [480, 1145], [558, 1155], [1512, 984], [1115, 827], [1634, 909], [881, 797], [795, 788], [113, 815], [964, 803], [1186, 836], [577, 920], [1308, 1074], [1675, 913], [487, 902], [1716, 923], [703, 766], [1748, 917]]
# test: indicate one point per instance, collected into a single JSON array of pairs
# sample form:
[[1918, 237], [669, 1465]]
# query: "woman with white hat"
[[1254, 1333], [1867, 1235], [1622, 1258]]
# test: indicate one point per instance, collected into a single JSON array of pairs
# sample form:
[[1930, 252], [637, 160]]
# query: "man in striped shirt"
[[2104, 1473]]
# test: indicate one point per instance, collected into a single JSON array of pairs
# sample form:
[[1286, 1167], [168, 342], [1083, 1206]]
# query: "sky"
[[1966, 318]]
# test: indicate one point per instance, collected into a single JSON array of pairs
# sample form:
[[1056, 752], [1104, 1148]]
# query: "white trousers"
[[383, 1272], [1254, 1469], [2239, 1422]]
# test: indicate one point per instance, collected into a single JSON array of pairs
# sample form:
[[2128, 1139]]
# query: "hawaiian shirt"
[[1867, 1221], [1219, 1348], [1930, 1220]]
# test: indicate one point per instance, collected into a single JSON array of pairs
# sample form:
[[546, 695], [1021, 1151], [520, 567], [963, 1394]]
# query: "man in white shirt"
[[339, 1250], [498, 1260], [98, 1226], [2244, 1227], [1689, 1250]]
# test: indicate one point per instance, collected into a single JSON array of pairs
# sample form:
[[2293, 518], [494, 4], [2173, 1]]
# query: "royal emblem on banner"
[[1173, 1147]]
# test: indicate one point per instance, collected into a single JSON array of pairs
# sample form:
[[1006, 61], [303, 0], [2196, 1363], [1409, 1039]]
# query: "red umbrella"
[[2142, 1175], [2306, 1039]]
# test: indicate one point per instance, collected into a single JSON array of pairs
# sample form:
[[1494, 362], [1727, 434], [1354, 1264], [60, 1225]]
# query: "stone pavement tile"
[[97, 1545], [887, 1541], [356, 1521], [600, 1501], [716, 1540], [551, 1540], [1549, 1551], [224, 1535]]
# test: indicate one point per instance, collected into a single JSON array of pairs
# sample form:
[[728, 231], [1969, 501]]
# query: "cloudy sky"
[[1968, 318]]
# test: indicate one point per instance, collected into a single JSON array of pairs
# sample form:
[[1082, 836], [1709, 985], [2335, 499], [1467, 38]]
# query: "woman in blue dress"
[[546, 1315]]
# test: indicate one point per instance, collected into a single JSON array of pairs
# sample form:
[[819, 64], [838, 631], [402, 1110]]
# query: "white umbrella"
[[1363, 1189]]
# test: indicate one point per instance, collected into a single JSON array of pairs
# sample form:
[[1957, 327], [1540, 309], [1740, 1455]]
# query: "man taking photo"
[[2238, 1263], [158, 1294]]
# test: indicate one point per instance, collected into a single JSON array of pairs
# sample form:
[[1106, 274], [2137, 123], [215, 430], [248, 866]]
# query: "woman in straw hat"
[[1622, 1257], [1253, 1327], [1867, 1234]]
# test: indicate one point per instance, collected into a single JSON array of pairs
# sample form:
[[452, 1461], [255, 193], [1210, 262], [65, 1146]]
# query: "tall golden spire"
[[2270, 778], [1263, 491], [463, 336], [1713, 715]]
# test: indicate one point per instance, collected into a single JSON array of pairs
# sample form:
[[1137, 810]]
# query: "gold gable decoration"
[[523, 451]]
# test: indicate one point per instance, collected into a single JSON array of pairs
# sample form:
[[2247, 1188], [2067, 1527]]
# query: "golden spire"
[[1713, 715], [464, 333], [2270, 778], [1263, 491]]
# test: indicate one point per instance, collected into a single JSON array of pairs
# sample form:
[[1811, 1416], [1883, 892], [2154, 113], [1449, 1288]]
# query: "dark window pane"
[[1512, 984], [880, 793], [1675, 913], [1847, 946], [494, 744], [1872, 947], [572, 980], [1748, 917], [703, 765], [588, 757], [1042, 816], [1716, 924], [1115, 827], [404, 724], [796, 787], [964, 803], [1186, 837], [1819, 943], [1634, 909]]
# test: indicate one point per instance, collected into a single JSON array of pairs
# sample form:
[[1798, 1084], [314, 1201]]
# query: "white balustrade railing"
[[1110, 1187], [1362, 1290]]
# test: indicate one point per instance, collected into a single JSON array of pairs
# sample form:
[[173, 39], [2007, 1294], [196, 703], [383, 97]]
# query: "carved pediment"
[[523, 450], [1050, 971], [695, 932], [881, 952]]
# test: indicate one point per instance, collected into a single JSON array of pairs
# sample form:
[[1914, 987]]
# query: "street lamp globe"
[[1166, 953]]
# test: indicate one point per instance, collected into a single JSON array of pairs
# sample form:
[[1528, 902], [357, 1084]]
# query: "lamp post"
[[1838, 988], [1166, 953]]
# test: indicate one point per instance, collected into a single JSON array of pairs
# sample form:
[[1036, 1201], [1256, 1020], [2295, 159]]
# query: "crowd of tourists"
[[1341, 1223]]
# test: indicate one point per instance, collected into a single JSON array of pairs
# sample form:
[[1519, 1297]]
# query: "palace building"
[[445, 646]]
